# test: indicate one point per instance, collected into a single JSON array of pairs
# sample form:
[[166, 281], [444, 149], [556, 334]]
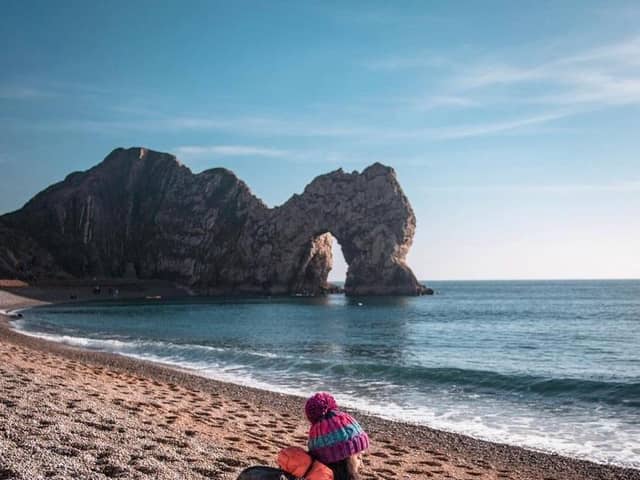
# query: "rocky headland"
[[140, 214]]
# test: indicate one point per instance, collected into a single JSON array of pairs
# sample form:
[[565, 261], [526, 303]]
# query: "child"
[[335, 438], [336, 443]]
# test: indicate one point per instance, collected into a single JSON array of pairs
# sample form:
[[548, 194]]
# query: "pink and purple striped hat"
[[334, 435]]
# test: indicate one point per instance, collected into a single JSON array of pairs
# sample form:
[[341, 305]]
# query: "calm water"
[[548, 365]]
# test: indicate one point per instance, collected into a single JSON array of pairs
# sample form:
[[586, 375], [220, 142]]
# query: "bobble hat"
[[334, 435]]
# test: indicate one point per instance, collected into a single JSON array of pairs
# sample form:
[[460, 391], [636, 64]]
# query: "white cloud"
[[15, 92], [601, 76], [324, 157], [492, 128], [424, 60], [444, 101], [606, 75], [301, 128], [491, 75], [149, 119], [192, 151], [245, 125], [33, 89]]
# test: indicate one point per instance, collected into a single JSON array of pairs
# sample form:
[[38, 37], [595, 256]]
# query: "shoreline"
[[399, 450], [361, 411]]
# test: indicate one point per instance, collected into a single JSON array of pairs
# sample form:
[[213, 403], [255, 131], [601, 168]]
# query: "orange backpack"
[[297, 462]]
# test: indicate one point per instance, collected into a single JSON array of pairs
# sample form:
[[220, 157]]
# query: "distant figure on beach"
[[336, 445]]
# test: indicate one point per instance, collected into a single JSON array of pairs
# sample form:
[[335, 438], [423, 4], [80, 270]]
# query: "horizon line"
[[559, 279]]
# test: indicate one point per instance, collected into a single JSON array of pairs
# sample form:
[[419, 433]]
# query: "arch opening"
[[338, 272], [323, 266]]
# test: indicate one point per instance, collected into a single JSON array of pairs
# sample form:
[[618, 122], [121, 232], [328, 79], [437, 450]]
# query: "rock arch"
[[371, 219], [141, 213]]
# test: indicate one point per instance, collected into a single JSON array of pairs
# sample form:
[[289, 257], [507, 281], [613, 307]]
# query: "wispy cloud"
[[196, 151], [63, 90], [197, 155], [270, 127], [243, 125], [444, 101], [619, 187], [381, 16], [16, 92], [601, 76], [407, 62], [606, 75], [275, 127], [492, 128]]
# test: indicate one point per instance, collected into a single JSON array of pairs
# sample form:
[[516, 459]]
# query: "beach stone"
[[142, 214]]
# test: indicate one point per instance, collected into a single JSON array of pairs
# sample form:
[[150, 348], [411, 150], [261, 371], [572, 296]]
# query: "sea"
[[548, 365]]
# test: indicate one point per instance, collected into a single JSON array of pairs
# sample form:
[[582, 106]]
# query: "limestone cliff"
[[142, 214], [21, 257]]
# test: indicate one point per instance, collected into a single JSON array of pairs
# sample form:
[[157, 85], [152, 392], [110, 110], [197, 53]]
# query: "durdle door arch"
[[370, 218], [142, 214]]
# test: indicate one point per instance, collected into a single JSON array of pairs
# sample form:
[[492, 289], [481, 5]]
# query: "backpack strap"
[[304, 475]]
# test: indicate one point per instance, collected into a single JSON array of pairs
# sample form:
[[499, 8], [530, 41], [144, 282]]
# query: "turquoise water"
[[549, 365]]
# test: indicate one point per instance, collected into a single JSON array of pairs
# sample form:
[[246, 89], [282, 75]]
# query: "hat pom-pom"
[[319, 405]]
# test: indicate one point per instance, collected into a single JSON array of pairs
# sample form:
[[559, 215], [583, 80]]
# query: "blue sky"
[[513, 126]]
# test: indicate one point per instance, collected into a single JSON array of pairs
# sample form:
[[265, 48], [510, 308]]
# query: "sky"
[[513, 126]]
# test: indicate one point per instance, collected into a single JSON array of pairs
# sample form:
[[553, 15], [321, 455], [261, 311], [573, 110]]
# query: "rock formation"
[[21, 257], [142, 214]]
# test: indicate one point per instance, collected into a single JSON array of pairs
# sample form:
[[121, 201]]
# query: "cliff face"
[[21, 257], [141, 214]]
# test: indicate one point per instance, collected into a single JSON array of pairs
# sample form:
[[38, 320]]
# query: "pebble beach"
[[69, 413]]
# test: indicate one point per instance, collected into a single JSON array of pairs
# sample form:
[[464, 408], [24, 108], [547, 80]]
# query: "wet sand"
[[68, 413]]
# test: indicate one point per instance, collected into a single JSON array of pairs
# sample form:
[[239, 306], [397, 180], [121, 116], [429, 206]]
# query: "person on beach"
[[336, 445], [336, 439]]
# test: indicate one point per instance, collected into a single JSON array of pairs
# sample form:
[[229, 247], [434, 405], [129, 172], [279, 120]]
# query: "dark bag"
[[264, 473]]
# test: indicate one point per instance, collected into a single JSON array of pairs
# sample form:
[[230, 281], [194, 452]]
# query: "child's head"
[[334, 436]]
